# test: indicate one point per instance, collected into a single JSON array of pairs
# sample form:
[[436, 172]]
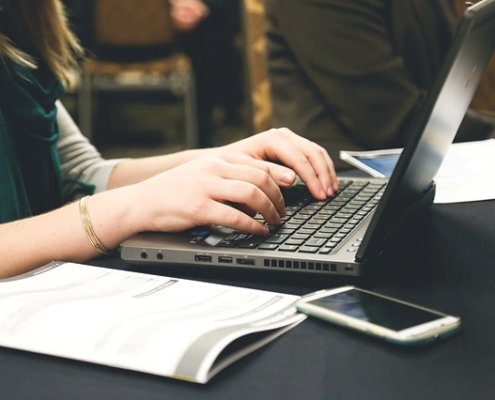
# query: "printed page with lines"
[[165, 326]]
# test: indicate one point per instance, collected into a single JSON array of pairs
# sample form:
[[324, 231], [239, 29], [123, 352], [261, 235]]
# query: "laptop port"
[[202, 258], [245, 261], [225, 260]]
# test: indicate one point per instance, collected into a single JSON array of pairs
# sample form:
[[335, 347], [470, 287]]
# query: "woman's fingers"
[[309, 160], [252, 187], [190, 195], [231, 217], [321, 168]]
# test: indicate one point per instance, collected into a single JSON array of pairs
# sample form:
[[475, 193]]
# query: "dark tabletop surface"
[[447, 263]]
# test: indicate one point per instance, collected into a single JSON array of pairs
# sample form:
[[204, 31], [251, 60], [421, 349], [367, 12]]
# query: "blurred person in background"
[[208, 30], [350, 75]]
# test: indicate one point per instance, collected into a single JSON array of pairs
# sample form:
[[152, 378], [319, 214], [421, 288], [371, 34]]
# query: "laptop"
[[350, 231]]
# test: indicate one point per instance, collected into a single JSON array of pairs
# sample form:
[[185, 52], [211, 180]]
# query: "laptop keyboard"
[[313, 226]]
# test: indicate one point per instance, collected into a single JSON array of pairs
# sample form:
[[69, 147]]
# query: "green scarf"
[[30, 174]]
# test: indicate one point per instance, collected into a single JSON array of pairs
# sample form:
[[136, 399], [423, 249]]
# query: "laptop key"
[[315, 242], [248, 245], [295, 242], [276, 238], [287, 247], [325, 250], [268, 246], [308, 249]]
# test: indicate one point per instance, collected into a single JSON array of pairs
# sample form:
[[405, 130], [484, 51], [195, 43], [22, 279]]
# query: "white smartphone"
[[385, 317], [377, 163]]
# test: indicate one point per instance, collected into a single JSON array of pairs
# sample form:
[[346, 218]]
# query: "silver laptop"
[[348, 233]]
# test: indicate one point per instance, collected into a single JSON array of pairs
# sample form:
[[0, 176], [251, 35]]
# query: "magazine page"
[[159, 325]]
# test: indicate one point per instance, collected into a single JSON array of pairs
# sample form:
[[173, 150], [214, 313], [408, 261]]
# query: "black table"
[[448, 263]]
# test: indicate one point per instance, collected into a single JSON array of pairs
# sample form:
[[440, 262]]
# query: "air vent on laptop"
[[300, 265]]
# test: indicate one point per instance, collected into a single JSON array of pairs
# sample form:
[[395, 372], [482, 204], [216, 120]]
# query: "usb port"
[[225, 260], [202, 258], [245, 261]]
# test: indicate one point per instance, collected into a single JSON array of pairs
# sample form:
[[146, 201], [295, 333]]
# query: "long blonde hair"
[[44, 23]]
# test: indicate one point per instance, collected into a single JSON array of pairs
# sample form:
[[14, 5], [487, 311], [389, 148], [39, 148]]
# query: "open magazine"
[[172, 327]]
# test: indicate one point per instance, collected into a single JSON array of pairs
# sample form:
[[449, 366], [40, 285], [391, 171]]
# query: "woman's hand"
[[307, 159], [231, 184], [223, 189]]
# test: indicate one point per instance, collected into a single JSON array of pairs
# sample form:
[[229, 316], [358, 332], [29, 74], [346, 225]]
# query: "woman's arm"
[[136, 170], [82, 163], [59, 234], [310, 161], [200, 191]]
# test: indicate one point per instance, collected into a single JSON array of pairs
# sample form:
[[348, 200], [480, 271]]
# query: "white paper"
[[467, 173], [160, 325]]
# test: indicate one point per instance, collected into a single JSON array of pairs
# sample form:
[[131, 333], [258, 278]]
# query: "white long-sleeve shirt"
[[81, 162]]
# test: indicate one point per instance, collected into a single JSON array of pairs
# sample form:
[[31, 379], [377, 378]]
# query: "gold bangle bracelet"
[[88, 228]]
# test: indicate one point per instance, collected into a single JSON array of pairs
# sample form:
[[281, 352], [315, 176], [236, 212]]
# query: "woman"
[[46, 163]]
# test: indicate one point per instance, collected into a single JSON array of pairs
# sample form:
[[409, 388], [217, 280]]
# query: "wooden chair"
[[258, 83], [134, 50]]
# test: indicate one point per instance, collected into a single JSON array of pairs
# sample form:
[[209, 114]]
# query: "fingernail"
[[288, 176], [336, 186]]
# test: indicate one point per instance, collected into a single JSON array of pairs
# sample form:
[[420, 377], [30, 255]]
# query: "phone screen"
[[384, 164], [375, 309]]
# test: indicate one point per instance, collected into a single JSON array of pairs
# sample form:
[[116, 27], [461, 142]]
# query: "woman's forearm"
[[59, 234], [136, 170]]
